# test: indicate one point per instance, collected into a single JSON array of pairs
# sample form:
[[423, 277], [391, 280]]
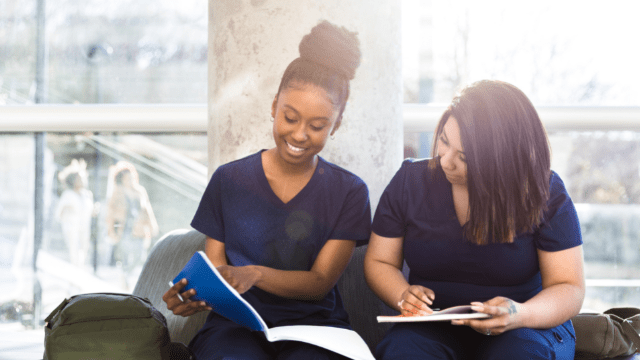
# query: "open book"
[[452, 313], [216, 292]]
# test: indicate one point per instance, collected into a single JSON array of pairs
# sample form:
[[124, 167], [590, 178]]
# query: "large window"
[[95, 52], [568, 52], [103, 52], [89, 213]]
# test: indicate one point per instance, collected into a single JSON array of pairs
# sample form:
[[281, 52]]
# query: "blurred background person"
[[130, 221], [74, 211]]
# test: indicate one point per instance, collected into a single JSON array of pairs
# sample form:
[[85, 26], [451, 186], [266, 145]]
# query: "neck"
[[293, 169]]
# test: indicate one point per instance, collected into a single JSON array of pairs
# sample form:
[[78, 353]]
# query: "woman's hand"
[[415, 301], [505, 315], [241, 278], [180, 307]]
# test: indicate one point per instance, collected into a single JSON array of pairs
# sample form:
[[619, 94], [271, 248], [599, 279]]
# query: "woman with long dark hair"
[[484, 223]]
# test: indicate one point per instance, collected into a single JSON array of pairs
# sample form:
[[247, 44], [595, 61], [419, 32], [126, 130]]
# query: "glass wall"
[[103, 52], [568, 52], [94, 52], [107, 199], [601, 172]]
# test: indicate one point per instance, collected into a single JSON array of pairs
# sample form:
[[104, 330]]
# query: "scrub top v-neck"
[[262, 178]]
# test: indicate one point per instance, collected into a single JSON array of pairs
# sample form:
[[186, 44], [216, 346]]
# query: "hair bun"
[[334, 47]]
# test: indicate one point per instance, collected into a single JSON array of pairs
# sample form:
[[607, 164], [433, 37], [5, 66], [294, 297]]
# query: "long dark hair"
[[329, 57], [508, 160]]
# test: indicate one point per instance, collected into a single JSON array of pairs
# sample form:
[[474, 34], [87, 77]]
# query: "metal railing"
[[104, 118], [193, 117]]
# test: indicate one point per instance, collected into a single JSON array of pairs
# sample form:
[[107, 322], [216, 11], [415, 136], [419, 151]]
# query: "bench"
[[172, 252]]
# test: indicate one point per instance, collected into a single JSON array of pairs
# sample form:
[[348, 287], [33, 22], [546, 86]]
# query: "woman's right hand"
[[416, 300], [178, 306]]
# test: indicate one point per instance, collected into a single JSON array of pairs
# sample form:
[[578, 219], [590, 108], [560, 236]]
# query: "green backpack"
[[109, 326]]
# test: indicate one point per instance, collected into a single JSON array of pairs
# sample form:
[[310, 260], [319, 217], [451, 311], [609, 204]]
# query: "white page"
[[342, 341], [452, 313]]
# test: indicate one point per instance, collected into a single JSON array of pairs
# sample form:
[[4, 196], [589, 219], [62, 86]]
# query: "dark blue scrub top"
[[240, 209], [418, 206]]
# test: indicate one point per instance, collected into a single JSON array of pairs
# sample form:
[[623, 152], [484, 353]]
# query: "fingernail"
[[203, 304], [423, 313], [475, 303], [477, 308]]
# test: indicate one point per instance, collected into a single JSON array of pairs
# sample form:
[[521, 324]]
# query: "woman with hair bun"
[[484, 223], [282, 224]]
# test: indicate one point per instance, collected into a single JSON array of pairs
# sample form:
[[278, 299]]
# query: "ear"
[[273, 106], [337, 125]]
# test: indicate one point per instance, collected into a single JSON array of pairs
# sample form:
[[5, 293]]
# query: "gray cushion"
[[361, 303], [167, 257]]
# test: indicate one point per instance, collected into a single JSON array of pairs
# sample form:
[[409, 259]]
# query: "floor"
[[18, 343]]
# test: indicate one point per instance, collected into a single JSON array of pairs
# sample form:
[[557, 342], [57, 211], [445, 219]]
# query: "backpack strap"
[[624, 312]]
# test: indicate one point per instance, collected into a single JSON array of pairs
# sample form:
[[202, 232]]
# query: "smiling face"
[[304, 117], [451, 153]]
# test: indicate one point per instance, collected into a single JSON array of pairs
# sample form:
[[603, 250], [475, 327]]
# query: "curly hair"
[[329, 57]]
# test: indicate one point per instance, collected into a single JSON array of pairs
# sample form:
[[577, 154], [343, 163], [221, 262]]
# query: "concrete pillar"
[[250, 44]]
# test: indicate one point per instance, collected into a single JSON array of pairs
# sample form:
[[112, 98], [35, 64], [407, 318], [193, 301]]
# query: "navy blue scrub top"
[[240, 209], [417, 205]]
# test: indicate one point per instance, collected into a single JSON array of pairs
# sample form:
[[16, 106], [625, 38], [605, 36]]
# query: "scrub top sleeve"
[[560, 229], [354, 222], [209, 218], [389, 219]]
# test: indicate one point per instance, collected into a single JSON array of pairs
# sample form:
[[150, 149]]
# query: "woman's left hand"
[[505, 315], [241, 278]]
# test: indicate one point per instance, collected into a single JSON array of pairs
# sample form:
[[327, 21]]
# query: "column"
[[250, 44]]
